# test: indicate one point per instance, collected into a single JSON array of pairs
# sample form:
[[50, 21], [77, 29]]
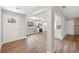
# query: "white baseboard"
[[14, 40], [48, 51], [51, 51], [70, 34], [22, 37], [61, 38]]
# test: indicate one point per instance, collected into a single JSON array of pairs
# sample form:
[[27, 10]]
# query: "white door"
[[58, 33]]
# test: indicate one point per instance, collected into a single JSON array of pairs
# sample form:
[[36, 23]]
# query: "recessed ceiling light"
[[17, 8], [64, 7]]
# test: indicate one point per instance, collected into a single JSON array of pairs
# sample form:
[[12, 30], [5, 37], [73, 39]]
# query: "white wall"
[[13, 31], [0, 28], [62, 32], [22, 26], [70, 26], [50, 30], [51, 27]]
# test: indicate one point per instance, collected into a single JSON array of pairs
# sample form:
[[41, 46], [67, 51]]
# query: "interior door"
[[58, 24]]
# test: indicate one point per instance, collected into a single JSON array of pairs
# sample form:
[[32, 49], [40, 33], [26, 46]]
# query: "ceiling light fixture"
[[17, 8], [64, 7]]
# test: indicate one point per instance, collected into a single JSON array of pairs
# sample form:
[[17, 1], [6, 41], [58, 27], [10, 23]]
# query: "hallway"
[[35, 43]]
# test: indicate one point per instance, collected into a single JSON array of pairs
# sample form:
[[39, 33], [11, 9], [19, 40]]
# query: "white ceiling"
[[70, 11], [40, 16], [21, 10]]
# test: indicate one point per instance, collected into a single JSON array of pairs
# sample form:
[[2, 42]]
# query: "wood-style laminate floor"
[[70, 44], [35, 43]]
